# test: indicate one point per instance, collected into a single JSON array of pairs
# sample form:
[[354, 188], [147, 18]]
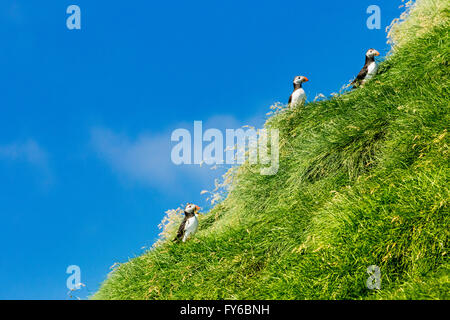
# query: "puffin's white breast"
[[298, 97], [371, 70], [190, 227]]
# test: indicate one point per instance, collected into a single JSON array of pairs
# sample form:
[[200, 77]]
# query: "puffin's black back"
[[363, 73], [180, 232]]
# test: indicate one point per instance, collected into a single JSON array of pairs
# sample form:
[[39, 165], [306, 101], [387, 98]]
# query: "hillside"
[[363, 180]]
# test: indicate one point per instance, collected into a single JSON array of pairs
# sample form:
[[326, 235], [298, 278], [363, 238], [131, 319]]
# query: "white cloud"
[[31, 153], [28, 151], [146, 158]]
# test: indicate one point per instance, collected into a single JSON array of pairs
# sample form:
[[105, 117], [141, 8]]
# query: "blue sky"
[[86, 115]]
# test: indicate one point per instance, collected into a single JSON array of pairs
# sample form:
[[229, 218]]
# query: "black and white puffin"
[[369, 70], [190, 223], [298, 96]]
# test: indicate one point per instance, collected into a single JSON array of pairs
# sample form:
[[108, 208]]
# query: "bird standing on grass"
[[190, 223], [298, 96], [369, 70]]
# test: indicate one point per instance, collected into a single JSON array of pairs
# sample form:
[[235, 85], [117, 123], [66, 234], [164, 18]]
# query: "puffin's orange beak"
[[197, 208], [377, 53], [306, 79]]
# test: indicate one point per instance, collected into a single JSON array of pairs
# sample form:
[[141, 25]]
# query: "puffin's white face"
[[300, 79], [191, 208], [372, 53]]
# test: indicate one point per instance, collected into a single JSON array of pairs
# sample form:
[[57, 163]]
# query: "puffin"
[[298, 96], [190, 223], [369, 70]]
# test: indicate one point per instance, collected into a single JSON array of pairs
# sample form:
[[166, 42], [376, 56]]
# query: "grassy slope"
[[363, 180]]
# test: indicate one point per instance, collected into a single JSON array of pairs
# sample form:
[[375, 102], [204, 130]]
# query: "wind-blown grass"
[[363, 181]]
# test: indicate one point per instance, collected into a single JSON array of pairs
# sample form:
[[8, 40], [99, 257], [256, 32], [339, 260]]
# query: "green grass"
[[363, 181]]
